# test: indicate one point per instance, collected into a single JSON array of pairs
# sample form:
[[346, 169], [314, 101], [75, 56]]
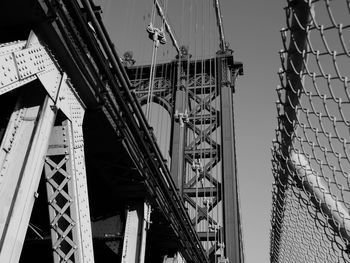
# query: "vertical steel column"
[[178, 132], [72, 107], [229, 169], [21, 158], [62, 196], [137, 224]]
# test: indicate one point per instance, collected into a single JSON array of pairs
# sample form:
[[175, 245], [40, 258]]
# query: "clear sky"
[[252, 28]]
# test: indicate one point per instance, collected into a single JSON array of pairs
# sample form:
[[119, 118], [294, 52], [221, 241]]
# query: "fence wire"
[[311, 152]]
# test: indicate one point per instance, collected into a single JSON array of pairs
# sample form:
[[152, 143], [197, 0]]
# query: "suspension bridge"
[[110, 156]]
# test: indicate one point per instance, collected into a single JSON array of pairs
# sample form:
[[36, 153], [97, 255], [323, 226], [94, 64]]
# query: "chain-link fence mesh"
[[311, 153]]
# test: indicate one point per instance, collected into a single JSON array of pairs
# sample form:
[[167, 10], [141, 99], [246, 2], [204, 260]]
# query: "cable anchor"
[[222, 258], [156, 34], [207, 203], [197, 166], [181, 117]]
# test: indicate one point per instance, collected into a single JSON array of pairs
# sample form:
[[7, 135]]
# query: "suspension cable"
[[220, 25], [152, 18], [151, 78], [167, 26]]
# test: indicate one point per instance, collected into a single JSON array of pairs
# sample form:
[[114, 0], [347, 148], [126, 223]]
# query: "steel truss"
[[30, 142], [63, 174]]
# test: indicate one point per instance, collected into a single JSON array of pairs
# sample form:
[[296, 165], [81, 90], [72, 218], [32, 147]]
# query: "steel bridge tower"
[[198, 95]]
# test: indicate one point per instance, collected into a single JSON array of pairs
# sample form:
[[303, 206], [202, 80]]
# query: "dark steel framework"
[[199, 97]]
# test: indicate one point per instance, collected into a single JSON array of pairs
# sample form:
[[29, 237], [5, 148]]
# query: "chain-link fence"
[[311, 152]]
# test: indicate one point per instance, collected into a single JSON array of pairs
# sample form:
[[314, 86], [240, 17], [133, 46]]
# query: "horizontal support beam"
[[201, 192], [105, 238], [202, 89], [204, 119], [207, 236], [201, 153]]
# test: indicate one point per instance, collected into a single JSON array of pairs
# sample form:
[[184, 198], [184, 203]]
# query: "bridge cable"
[[220, 25], [158, 37], [195, 114]]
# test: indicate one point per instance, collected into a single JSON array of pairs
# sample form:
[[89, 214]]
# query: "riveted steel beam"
[[66, 189], [137, 224], [22, 153]]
